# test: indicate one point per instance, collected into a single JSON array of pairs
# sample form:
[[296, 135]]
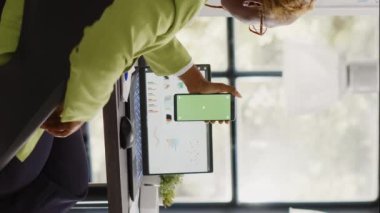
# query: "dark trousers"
[[52, 179], [33, 82]]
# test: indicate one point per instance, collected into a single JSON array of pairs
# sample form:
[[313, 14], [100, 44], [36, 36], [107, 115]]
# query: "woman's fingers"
[[55, 127], [220, 88], [220, 122], [56, 133], [62, 129]]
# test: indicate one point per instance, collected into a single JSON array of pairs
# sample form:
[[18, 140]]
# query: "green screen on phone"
[[203, 107]]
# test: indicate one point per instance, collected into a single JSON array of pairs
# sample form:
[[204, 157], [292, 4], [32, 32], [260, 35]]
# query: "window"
[[270, 155], [328, 156], [97, 151], [354, 37], [211, 41]]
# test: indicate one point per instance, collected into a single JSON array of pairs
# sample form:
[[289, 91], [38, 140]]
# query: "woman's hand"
[[55, 127], [196, 83]]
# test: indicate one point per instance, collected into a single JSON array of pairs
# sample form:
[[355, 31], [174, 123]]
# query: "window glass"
[[330, 155], [96, 149], [216, 186], [354, 37], [206, 40]]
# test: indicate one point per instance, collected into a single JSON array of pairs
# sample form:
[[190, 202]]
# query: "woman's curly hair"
[[286, 10]]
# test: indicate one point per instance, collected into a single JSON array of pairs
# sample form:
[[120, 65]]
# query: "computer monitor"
[[168, 147]]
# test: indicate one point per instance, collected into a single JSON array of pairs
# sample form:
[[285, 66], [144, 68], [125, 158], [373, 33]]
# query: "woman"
[[100, 41], [270, 13]]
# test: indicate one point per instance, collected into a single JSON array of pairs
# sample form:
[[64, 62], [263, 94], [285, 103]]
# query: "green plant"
[[167, 188]]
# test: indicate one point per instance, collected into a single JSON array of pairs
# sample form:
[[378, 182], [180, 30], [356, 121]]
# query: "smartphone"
[[204, 107]]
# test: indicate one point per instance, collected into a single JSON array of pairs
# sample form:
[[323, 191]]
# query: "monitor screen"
[[135, 155], [170, 147]]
